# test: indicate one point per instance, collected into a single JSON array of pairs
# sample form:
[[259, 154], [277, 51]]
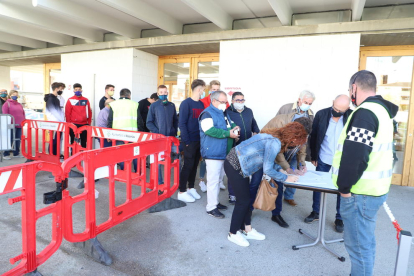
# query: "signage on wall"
[[231, 89]]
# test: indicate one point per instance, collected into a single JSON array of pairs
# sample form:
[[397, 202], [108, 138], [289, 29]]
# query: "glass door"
[[394, 72], [207, 69]]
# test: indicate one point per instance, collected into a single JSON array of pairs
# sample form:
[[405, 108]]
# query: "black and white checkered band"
[[361, 135]]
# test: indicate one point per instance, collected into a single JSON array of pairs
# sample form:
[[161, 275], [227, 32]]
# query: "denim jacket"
[[260, 152]]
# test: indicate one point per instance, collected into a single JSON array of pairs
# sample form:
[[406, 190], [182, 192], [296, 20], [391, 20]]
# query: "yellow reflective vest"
[[376, 179], [125, 114]]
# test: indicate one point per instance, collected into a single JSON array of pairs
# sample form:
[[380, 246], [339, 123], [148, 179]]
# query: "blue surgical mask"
[[14, 98], [4, 95], [163, 97], [78, 93], [304, 107], [202, 96]]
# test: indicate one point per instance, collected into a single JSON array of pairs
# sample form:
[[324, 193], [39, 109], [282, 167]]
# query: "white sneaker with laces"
[[6, 157], [238, 239], [186, 197], [254, 235], [222, 186], [203, 186], [18, 156], [193, 193]]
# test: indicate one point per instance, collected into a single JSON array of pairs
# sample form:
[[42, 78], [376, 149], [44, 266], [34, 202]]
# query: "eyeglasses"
[[221, 102], [240, 101]]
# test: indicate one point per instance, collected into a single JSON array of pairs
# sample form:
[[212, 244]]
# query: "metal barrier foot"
[[167, 204], [34, 273], [94, 249]]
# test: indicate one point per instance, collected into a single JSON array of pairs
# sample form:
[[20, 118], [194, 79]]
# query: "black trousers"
[[83, 136], [242, 214], [189, 170]]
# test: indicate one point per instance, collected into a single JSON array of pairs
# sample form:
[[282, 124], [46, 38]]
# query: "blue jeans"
[[202, 169], [121, 165], [279, 199], [322, 167], [289, 191], [161, 167], [359, 213], [254, 185], [18, 135]]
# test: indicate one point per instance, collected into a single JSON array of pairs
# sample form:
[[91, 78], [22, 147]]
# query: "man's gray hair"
[[306, 94], [216, 94]]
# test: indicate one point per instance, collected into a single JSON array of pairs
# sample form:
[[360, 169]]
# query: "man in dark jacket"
[[326, 129], [243, 117], [144, 106], [162, 118]]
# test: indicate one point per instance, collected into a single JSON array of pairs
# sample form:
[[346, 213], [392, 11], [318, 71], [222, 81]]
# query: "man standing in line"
[[60, 97], [144, 106], [300, 109], [109, 92], [362, 168], [190, 110], [102, 121], [217, 133], [78, 111], [53, 110], [243, 117], [326, 129], [162, 119]]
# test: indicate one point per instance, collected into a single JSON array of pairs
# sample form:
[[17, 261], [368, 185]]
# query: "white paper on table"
[[316, 179]]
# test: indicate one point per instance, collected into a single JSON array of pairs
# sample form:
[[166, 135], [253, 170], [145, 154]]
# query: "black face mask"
[[337, 114], [59, 92], [353, 99]]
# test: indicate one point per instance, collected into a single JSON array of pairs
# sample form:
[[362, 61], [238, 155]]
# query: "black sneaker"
[[232, 200], [339, 226], [279, 220], [216, 213], [312, 217], [221, 206]]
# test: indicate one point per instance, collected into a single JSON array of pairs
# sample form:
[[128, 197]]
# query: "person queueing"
[[258, 152], [109, 92], [3, 99], [217, 133], [162, 118], [242, 116], [190, 110], [102, 121], [14, 108], [299, 109], [54, 112], [362, 168], [78, 112], [288, 160], [60, 97], [144, 106], [326, 129]]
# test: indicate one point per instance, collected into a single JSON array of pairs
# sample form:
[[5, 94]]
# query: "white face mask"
[[222, 107], [304, 107], [239, 106]]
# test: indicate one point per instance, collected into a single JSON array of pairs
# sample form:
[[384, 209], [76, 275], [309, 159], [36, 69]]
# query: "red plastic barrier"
[[101, 163], [45, 131], [23, 178]]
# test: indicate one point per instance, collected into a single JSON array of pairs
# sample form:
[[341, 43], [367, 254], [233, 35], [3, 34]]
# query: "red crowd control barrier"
[[101, 163], [37, 143], [23, 178]]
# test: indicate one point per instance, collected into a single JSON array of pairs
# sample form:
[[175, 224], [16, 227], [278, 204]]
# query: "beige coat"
[[278, 122]]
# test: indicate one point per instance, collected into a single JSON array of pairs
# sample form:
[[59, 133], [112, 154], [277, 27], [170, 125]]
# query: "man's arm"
[[302, 155], [207, 125], [89, 113], [151, 120], [255, 127], [313, 137], [182, 123], [175, 120], [355, 155], [68, 111], [110, 117], [140, 121], [102, 104], [281, 160]]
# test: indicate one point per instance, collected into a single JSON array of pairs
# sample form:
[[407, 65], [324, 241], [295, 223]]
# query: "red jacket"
[[207, 101], [78, 111]]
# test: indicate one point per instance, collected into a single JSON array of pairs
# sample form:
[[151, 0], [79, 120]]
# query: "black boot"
[[279, 220]]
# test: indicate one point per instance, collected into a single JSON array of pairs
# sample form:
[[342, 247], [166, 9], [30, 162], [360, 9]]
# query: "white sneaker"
[[18, 156], [6, 157], [238, 239], [193, 193], [203, 186], [254, 235], [186, 197], [222, 186]]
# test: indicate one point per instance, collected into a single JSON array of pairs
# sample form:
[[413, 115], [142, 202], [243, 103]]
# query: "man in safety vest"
[[362, 168], [124, 115]]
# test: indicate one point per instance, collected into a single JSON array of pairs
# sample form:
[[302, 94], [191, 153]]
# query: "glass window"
[[177, 79], [208, 71]]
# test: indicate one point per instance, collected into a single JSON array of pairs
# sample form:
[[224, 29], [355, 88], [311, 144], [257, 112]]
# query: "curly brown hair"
[[291, 135]]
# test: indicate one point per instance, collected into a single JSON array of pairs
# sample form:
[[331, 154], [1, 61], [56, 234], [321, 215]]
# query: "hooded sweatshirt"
[[355, 158], [15, 109], [53, 110]]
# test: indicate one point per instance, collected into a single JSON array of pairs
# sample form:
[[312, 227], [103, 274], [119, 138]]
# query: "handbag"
[[266, 196]]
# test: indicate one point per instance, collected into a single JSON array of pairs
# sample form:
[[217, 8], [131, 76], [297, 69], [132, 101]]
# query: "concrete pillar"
[[5, 77]]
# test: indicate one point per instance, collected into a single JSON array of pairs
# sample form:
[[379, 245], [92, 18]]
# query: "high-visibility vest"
[[125, 114], [376, 179]]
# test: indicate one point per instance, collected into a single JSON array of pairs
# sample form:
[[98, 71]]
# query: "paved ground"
[[186, 241]]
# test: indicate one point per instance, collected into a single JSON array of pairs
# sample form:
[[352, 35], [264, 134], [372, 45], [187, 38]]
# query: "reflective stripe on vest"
[[375, 148], [124, 114], [376, 179]]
